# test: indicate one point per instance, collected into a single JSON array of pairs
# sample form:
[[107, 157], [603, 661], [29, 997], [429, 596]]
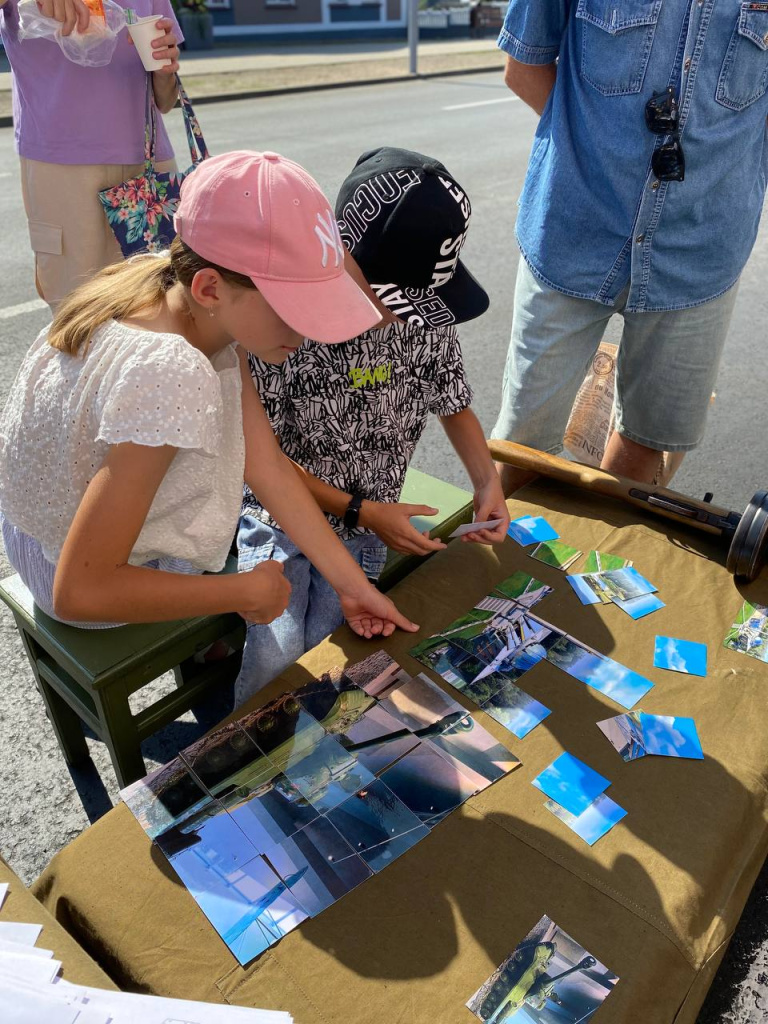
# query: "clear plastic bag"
[[93, 48]]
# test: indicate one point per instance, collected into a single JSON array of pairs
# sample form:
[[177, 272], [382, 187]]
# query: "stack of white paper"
[[31, 992]]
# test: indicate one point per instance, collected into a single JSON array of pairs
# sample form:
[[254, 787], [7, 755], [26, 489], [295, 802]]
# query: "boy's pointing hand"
[[391, 522]]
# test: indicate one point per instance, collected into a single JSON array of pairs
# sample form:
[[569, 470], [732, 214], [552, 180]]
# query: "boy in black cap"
[[350, 415]]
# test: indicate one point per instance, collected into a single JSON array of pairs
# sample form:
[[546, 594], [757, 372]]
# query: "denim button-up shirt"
[[593, 218]]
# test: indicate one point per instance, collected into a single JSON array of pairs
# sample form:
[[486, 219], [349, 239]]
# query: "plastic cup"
[[143, 31]]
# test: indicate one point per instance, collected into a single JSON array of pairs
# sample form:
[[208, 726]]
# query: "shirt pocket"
[[616, 43], [744, 75]]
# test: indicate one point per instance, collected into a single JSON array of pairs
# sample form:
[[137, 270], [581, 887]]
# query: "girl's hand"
[[266, 592], [73, 14], [369, 613], [391, 522], [166, 47], [490, 504]]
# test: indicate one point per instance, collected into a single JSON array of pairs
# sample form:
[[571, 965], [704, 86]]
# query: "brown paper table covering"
[[656, 900], [21, 905]]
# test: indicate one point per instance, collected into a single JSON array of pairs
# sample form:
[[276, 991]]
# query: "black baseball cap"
[[405, 218]]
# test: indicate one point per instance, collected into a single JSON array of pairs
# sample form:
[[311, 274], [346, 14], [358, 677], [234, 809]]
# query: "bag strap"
[[192, 127], [150, 127]]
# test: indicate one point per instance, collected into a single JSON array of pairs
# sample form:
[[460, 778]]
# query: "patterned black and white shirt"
[[352, 414]]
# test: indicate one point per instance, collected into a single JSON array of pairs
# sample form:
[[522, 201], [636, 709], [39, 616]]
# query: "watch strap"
[[352, 514]]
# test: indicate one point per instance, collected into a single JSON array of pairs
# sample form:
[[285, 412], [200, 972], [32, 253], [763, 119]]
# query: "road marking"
[[483, 103], [23, 307]]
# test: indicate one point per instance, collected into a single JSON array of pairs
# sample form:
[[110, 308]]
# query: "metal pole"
[[413, 36]]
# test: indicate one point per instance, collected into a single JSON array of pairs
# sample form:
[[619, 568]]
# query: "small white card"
[[474, 527], [3, 892], [24, 934]]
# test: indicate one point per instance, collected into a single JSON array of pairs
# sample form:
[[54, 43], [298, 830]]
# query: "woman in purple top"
[[79, 130]]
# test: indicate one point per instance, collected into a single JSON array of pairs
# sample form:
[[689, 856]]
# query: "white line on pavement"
[[23, 307], [482, 103]]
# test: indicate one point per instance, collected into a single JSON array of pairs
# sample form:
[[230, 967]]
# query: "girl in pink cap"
[[133, 420]]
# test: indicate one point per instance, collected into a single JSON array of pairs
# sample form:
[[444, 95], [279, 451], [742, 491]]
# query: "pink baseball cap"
[[263, 216]]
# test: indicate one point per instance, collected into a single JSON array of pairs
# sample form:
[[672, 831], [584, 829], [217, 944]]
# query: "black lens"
[[668, 162], [661, 113]]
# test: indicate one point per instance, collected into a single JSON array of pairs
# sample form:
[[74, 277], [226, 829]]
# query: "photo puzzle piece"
[[601, 673], [556, 553], [165, 797], [600, 561], [530, 529], [571, 783], [548, 969], [522, 589], [515, 710], [677, 655], [749, 633], [593, 823], [639, 607]]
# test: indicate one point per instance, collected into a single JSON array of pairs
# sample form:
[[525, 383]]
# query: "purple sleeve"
[[163, 7]]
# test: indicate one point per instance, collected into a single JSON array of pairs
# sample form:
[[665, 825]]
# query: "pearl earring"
[[210, 311]]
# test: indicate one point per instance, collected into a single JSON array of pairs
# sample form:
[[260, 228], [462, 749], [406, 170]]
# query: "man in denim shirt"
[[649, 209]]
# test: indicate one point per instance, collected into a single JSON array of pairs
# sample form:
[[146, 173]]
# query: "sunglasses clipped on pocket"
[[662, 118]]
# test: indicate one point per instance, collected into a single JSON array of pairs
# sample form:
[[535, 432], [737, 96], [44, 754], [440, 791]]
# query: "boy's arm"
[[531, 38], [467, 437], [390, 521]]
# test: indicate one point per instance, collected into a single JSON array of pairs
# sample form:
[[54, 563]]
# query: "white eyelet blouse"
[[64, 412]]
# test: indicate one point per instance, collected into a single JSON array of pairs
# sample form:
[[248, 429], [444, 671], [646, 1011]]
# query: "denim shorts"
[[665, 372], [314, 611]]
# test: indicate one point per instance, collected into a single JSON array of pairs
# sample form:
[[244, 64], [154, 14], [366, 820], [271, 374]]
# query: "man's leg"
[[271, 648], [554, 338], [665, 373]]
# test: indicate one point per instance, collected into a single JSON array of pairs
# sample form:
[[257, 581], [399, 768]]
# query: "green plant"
[[191, 6]]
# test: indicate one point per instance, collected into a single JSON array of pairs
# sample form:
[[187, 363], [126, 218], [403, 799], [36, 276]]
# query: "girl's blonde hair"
[[124, 289]]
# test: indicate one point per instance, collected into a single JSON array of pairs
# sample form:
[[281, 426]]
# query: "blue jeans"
[[313, 613], [665, 372]]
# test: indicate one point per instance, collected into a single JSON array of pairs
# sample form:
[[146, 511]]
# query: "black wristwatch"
[[352, 514]]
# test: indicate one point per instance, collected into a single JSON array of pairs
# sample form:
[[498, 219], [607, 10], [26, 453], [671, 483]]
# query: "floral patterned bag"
[[140, 211]]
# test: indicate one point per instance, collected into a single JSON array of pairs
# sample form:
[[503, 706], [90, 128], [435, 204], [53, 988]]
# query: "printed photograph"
[[522, 588], [164, 797], [318, 866], [249, 906], [419, 703], [480, 691], [327, 775], [377, 825], [603, 674], [677, 655], [530, 529], [377, 739], [749, 633], [268, 809], [625, 584], [334, 701], [515, 710], [625, 734], [282, 729], [525, 637], [428, 784], [571, 783], [377, 675], [218, 761], [639, 607], [587, 589], [670, 736], [475, 752], [211, 836], [548, 979], [593, 823], [600, 561], [556, 553]]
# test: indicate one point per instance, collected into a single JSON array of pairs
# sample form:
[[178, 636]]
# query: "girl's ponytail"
[[116, 292], [124, 289]]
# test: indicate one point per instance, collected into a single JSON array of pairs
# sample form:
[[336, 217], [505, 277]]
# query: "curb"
[[6, 121]]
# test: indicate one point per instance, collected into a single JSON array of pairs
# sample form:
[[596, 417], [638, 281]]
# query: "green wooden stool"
[[89, 675]]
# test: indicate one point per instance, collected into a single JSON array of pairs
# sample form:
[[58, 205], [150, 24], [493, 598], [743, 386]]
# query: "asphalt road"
[[483, 136]]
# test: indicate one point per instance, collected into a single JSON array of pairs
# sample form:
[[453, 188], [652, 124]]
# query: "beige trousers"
[[68, 228]]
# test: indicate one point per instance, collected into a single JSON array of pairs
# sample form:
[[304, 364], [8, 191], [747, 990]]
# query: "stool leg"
[[66, 723], [118, 730]]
